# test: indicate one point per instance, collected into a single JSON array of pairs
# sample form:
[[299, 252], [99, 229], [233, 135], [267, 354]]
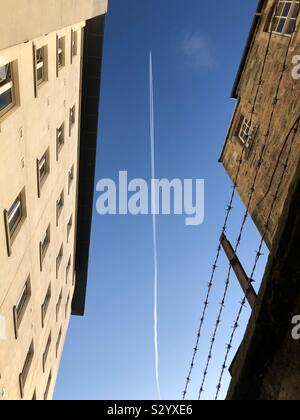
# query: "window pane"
[[295, 12], [14, 216], [6, 99], [5, 74], [40, 74], [291, 27], [280, 25], [22, 300], [286, 9]]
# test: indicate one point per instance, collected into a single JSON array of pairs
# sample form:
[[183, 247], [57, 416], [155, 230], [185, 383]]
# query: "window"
[[58, 341], [60, 53], [60, 139], [73, 44], [14, 217], [40, 69], [285, 17], [46, 394], [7, 96], [45, 305], [26, 369], [245, 131], [59, 260], [69, 227], [70, 178], [59, 206], [44, 245], [43, 169], [68, 269], [40, 65], [46, 352], [58, 305], [20, 308], [72, 117], [67, 306]]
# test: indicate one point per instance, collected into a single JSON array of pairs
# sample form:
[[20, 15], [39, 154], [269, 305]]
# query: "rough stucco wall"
[[24, 20], [286, 113]]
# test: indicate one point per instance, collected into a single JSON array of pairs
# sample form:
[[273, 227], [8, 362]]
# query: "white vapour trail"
[[152, 137]]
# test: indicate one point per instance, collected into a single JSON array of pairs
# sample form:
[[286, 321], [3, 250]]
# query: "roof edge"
[[255, 22], [90, 104]]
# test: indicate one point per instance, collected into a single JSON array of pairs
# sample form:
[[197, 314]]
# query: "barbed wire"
[[275, 197], [245, 217], [224, 228], [259, 253]]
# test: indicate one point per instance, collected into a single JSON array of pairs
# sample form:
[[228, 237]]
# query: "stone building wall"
[[278, 142]]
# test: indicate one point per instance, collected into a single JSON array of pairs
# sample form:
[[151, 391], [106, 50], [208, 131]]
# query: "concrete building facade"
[[50, 62], [266, 114]]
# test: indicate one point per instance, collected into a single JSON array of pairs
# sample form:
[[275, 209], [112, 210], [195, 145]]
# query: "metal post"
[[239, 271]]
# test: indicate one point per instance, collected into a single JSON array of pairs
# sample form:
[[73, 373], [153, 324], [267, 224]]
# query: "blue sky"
[[197, 47]]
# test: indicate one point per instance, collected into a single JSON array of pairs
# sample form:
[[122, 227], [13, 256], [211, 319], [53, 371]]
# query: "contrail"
[[152, 137]]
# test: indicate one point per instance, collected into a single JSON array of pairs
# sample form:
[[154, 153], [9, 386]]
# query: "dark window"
[[60, 139], [46, 394], [59, 260], [59, 206], [44, 245], [26, 369], [40, 66], [45, 305], [284, 17], [6, 89], [21, 305], [61, 52], [46, 352]]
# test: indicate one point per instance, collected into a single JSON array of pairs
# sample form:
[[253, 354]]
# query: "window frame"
[[60, 53], [72, 118], [46, 304], [69, 227], [43, 249], [58, 342], [39, 63], [26, 369], [47, 351], [67, 305], [12, 231], [71, 175], [74, 44], [47, 389], [20, 308], [278, 17], [245, 132], [41, 180], [58, 305], [60, 203], [60, 139], [59, 259], [68, 268], [5, 86]]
